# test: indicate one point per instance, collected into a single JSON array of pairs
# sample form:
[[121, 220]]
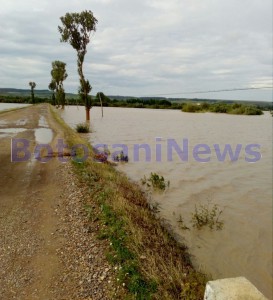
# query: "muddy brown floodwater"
[[242, 189]]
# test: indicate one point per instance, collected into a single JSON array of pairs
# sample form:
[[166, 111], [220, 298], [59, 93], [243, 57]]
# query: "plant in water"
[[121, 157], [83, 128], [207, 215], [182, 224], [155, 181], [155, 207]]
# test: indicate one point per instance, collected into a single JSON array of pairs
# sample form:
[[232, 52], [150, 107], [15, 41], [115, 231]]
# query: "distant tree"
[[76, 30], [103, 100], [219, 107], [32, 85], [190, 107], [165, 102], [102, 97], [205, 106], [58, 74], [52, 87]]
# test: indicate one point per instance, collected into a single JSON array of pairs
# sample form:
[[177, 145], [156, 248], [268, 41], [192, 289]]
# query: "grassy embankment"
[[150, 263]]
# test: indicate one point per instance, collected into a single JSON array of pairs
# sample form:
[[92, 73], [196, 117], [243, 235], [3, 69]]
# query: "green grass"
[[129, 274]]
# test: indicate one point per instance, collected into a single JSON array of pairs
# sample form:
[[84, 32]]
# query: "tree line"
[[186, 106], [232, 108]]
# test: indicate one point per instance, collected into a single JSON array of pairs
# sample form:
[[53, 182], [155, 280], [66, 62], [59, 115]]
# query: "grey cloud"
[[143, 47]]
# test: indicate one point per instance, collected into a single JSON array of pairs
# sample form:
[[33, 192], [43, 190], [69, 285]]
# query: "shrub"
[[251, 110], [204, 215], [245, 110], [205, 106], [236, 105], [182, 224], [219, 108], [190, 107], [120, 157], [238, 111], [82, 128], [156, 182]]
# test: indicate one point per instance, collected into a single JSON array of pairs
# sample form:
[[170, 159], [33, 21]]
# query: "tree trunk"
[[87, 111]]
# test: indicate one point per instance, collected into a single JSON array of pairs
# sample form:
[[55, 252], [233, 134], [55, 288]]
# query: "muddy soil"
[[45, 250]]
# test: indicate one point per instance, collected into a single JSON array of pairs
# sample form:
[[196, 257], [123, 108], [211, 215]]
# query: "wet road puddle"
[[21, 122], [43, 135], [3, 123], [42, 122]]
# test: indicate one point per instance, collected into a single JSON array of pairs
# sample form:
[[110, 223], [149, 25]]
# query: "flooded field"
[[4, 106], [43, 134], [189, 151]]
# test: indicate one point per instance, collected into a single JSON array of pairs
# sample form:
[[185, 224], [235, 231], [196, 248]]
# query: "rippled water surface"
[[242, 189]]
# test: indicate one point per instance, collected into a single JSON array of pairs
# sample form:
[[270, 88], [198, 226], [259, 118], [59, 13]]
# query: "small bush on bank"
[[83, 128]]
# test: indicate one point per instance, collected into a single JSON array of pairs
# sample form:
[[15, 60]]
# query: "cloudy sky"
[[145, 47]]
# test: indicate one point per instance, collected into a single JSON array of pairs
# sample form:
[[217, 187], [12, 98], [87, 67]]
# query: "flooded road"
[[192, 152]]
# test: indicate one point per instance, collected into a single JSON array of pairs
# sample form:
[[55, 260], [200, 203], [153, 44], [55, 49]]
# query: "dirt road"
[[45, 249]]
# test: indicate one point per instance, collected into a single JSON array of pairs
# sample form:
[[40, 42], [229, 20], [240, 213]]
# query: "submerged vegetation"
[[204, 215], [121, 157], [149, 263], [156, 182]]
